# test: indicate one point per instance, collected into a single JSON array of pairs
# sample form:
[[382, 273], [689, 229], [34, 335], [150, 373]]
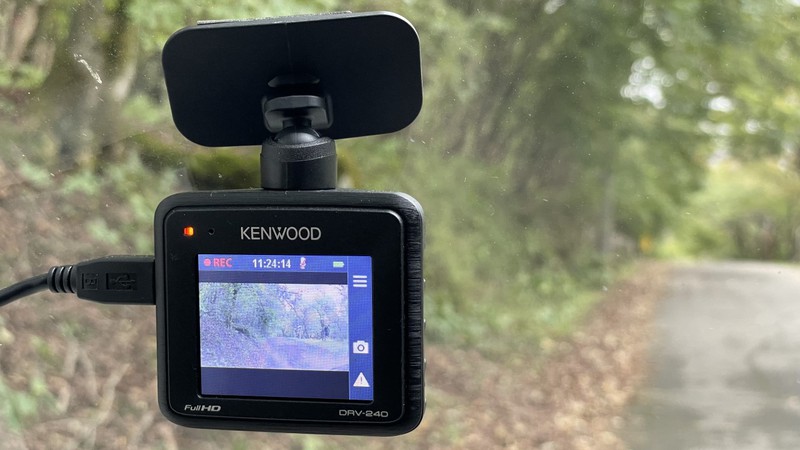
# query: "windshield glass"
[[610, 194]]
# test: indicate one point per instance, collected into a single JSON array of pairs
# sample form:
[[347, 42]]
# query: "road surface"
[[724, 362]]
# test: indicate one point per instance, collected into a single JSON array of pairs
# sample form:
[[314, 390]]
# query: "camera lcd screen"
[[286, 326]]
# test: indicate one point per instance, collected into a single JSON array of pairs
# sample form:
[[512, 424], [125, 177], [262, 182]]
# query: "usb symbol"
[[121, 282]]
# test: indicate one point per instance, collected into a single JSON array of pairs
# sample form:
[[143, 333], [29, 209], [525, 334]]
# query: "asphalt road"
[[724, 362]]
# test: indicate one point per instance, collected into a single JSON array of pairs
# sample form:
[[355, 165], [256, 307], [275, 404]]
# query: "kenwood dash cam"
[[296, 307], [291, 311]]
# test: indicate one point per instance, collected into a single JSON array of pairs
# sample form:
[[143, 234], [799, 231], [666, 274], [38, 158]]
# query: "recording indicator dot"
[[188, 231]]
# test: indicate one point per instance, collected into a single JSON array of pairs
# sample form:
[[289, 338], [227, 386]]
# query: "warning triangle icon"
[[361, 381]]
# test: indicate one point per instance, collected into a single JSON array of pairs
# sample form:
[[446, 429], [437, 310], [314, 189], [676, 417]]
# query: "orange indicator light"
[[188, 231]]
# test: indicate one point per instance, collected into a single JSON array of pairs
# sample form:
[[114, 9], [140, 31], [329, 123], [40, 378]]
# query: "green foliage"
[[22, 406], [158, 20], [225, 169], [117, 208], [488, 277], [37, 176], [146, 111], [746, 210], [19, 406], [24, 76], [651, 190], [750, 106]]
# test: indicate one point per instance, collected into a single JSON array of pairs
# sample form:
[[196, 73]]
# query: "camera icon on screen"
[[361, 347]]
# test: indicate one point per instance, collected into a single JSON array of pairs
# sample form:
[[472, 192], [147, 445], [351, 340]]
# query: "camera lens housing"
[[295, 311]]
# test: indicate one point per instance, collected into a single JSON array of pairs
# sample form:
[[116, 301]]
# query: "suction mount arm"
[[295, 156]]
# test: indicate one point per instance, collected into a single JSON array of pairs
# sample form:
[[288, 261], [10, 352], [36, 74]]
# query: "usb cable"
[[122, 280]]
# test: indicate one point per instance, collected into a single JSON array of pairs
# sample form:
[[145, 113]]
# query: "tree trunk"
[[607, 219], [119, 51], [70, 91]]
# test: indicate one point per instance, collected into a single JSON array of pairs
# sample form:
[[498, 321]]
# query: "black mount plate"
[[368, 66]]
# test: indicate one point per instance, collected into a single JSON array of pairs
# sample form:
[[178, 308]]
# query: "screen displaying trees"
[[274, 326]]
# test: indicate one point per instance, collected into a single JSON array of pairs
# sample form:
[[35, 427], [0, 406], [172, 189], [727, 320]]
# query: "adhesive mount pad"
[[367, 64]]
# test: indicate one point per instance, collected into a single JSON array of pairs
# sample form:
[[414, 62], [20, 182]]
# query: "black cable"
[[23, 289], [113, 279]]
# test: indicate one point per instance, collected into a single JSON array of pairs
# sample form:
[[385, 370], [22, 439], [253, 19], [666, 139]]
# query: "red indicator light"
[[188, 231]]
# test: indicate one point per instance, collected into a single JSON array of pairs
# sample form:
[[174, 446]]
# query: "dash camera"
[[295, 307]]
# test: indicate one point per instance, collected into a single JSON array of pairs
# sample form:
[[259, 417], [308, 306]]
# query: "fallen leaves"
[[574, 399]]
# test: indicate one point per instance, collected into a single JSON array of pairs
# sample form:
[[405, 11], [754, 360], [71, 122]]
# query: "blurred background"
[[574, 159]]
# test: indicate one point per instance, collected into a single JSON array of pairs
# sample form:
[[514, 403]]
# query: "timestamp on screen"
[[272, 263]]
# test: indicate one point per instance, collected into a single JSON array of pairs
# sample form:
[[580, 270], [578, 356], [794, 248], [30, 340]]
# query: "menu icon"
[[360, 281]]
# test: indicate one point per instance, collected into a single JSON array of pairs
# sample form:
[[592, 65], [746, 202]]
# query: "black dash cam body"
[[290, 311]]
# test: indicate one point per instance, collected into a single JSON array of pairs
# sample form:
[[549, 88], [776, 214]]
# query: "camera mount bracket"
[[296, 157], [363, 69]]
